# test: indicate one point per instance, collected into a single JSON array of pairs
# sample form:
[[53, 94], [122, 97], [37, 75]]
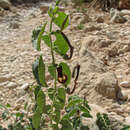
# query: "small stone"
[[91, 123], [127, 120], [107, 85], [5, 78], [5, 4], [11, 85], [20, 100], [125, 84], [3, 84], [123, 95], [25, 86], [100, 19], [116, 17]]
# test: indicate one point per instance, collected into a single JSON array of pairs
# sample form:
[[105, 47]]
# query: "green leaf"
[[40, 36], [41, 72], [126, 128], [36, 119], [52, 70], [41, 101], [66, 125], [83, 109], [73, 111], [36, 36], [52, 11], [74, 102], [86, 104], [35, 70], [37, 89], [8, 105], [57, 2], [86, 114], [51, 92], [76, 122], [103, 121], [47, 40], [74, 98], [47, 109], [55, 127], [25, 106], [84, 128], [60, 43], [58, 104], [61, 94], [56, 116], [66, 116], [66, 71], [59, 19], [60, 99]]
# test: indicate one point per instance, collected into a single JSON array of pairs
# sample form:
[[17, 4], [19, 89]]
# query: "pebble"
[[25, 86], [20, 100], [11, 85], [125, 84], [5, 78], [127, 120]]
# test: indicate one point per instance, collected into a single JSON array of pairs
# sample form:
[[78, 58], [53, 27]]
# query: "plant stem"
[[52, 53], [53, 62]]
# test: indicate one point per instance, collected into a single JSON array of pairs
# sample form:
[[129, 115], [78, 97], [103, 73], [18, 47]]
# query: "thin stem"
[[52, 53], [53, 62]]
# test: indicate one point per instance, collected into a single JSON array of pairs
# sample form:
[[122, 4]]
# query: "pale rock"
[[116, 17], [107, 85], [20, 100], [90, 122], [125, 84], [5, 78], [127, 120], [11, 85], [89, 62], [5, 4], [122, 95], [3, 84], [117, 122], [124, 12], [25, 86], [96, 108]]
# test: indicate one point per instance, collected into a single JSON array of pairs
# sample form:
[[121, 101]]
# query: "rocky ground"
[[102, 48]]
